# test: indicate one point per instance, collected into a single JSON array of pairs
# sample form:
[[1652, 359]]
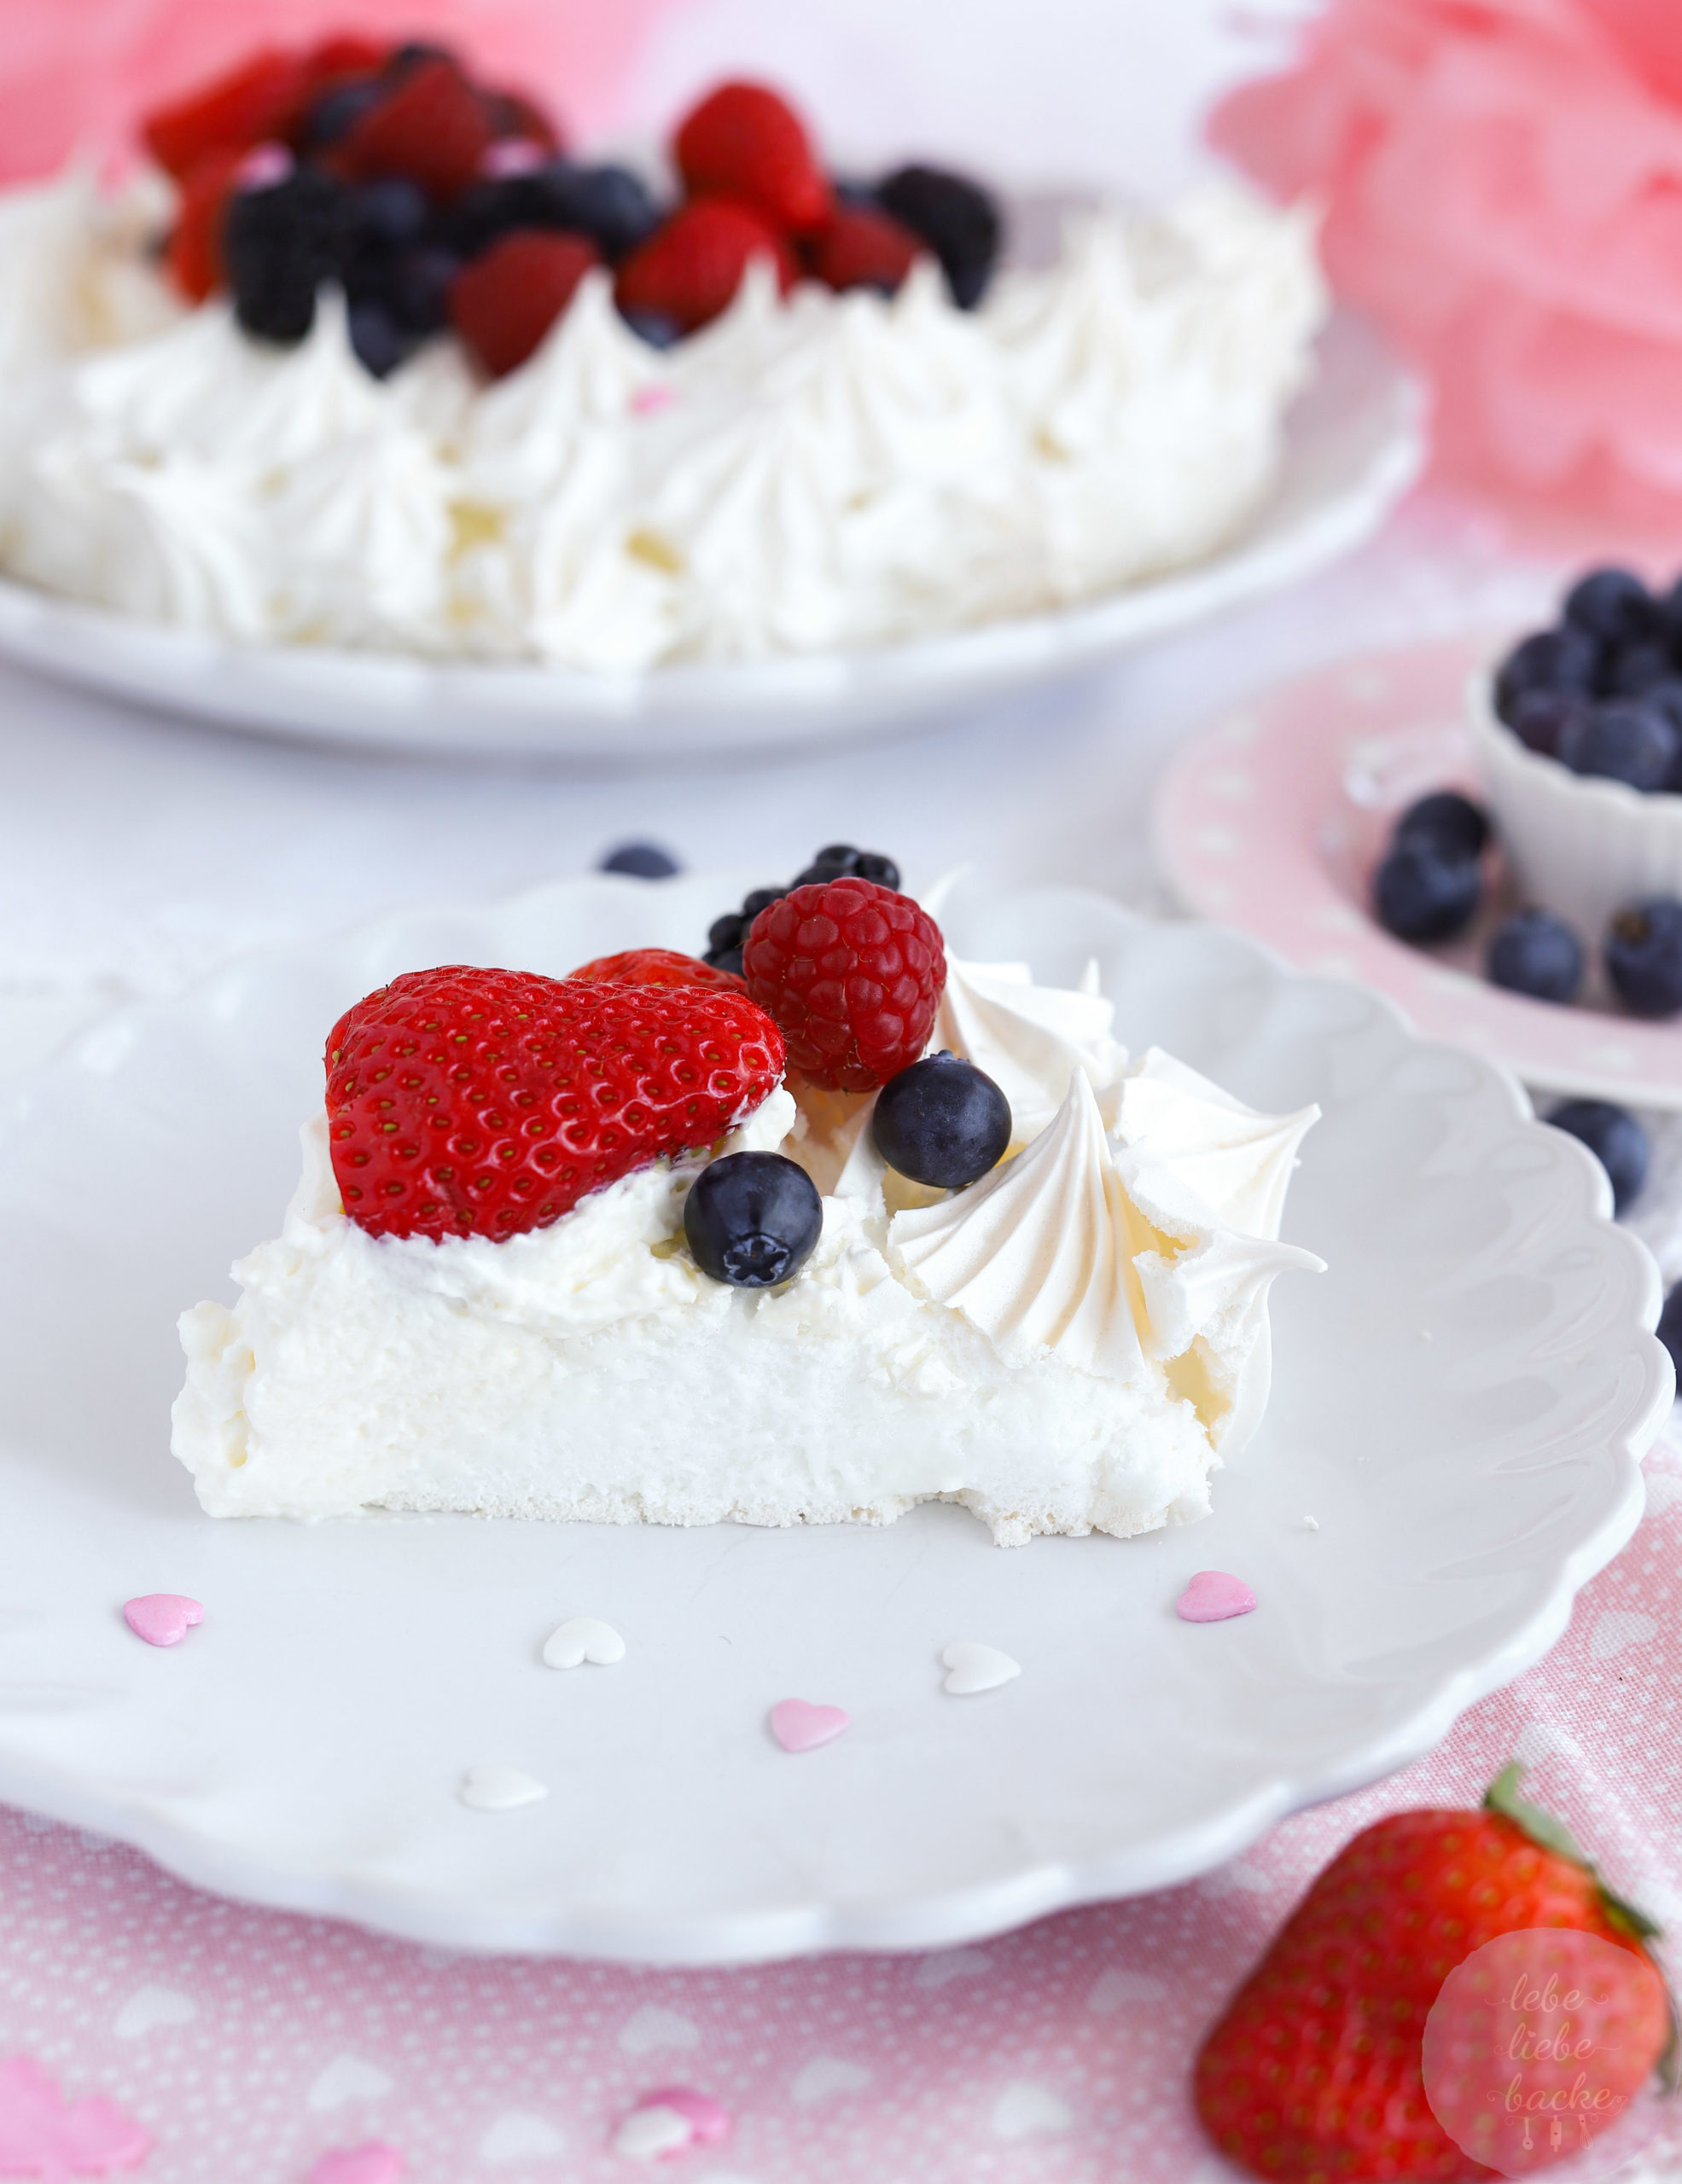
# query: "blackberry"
[[279, 244], [612, 206], [727, 935], [841, 861], [956, 218]]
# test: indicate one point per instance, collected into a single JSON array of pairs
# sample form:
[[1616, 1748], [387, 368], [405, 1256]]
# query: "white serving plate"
[[1461, 1403], [1355, 444]]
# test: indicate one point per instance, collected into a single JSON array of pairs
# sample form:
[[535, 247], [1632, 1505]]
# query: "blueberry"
[[1535, 953], [336, 112], [956, 218], [1539, 717], [1643, 955], [858, 196], [1551, 660], [390, 212], [1421, 895], [1616, 1140], [380, 343], [1633, 670], [1670, 619], [653, 326], [614, 207], [752, 1219], [1621, 740], [1669, 1328], [727, 932], [279, 244], [1613, 605], [1446, 822], [641, 861], [942, 1121], [1666, 697], [418, 288]]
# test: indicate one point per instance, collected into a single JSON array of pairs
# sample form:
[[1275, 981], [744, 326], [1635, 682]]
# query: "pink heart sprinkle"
[[1211, 1596], [43, 2134], [374, 2162], [798, 1727], [709, 2120], [648, 399], [162, 1618]]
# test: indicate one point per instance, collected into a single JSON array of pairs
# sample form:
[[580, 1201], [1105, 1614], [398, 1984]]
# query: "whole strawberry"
[[655, 967], [1314, 2074], [852, 974], [480, 1102], [745, 142]]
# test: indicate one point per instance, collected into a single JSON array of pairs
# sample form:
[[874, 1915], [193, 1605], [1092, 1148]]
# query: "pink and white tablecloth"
[[249, 2043]]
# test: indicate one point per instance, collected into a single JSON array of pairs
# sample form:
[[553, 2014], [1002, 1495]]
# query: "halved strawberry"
[[467, 1102], [505, 300], [689, 269], [260, 99], [745, 141], [193, 257], [656, 967]]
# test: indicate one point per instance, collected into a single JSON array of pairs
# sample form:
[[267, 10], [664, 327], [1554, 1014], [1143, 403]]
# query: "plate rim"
[[406, 701], [192, 1854]]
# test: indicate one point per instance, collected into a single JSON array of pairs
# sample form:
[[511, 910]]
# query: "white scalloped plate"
[[1461, 1403], [1353, 445]]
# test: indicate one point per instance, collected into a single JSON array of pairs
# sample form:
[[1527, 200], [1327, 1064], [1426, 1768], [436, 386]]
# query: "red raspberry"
[[513, 115], [260, 99], [194, 257], [852, 974], [656, 967], [471, 1102], [744, 141], [432, 126], [857, 248], [506, 301], [689, 270]]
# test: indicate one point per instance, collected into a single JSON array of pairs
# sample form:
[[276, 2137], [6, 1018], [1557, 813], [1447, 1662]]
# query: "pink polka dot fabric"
[[249, 2044]]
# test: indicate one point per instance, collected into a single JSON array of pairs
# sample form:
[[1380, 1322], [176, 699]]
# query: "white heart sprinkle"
[[1023, 2111], [500, 1789], [584, 1638], [646, 2134], [977, 1668], [153, 2006]]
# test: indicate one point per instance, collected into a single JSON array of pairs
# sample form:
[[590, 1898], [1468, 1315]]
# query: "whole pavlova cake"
[[861, 1226]]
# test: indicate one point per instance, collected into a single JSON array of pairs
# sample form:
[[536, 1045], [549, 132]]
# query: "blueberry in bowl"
[[1534, 952], [1616, 1140]]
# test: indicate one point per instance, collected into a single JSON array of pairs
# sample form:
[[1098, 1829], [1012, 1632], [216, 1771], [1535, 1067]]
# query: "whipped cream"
[[1073, 1343], [811, 473]]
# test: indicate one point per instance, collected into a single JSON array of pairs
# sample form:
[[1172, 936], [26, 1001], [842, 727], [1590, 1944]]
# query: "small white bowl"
[[1578, 846]]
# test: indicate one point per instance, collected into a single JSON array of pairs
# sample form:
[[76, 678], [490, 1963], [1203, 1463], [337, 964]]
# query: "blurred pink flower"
[[78, 72], [1502, 181]]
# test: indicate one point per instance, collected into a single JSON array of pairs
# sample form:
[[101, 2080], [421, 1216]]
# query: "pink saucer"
[[1273, 816]]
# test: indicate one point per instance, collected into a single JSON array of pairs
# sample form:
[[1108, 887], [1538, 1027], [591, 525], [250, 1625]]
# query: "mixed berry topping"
[[838, 861], [752, 1219], [438, 202], [1602, 691], [463, 1101], [852, 973], [941, 1121]]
